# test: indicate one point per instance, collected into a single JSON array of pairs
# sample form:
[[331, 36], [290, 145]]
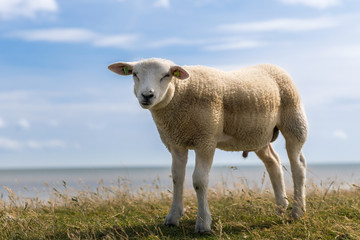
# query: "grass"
[[116, 212]]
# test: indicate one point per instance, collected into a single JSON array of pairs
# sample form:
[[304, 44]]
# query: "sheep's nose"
[[147, 95]]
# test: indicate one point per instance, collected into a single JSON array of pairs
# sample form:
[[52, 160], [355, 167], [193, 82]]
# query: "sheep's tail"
[[274, 137]]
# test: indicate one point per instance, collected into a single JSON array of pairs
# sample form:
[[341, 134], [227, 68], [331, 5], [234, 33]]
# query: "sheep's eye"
[[165, 76], [135, 77]]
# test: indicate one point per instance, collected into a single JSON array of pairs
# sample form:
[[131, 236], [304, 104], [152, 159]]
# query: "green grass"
[[118, 213]]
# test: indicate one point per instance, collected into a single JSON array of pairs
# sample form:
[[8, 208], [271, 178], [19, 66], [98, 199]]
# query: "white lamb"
[[201, 108]]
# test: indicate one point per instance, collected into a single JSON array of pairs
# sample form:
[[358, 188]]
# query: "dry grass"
[[116, 212]]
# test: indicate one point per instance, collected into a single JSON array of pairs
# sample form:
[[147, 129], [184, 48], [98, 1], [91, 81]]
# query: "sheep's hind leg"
[[200, 181], [273, 166], [294, 130], [298, 169], [179, 160]]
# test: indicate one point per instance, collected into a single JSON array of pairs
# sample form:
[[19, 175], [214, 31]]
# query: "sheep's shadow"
[[184, 231], [143, 231]]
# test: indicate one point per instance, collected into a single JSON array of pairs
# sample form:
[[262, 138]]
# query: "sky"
[[61, 107]]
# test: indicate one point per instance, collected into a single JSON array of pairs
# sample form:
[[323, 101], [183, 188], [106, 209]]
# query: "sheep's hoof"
[[171, 222], [207, 232], [172, 219], [281, 206], [297, 212], [203, 230], [202, 227], [280, 210]]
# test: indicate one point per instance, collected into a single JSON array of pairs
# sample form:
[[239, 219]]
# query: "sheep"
[[202, 108]]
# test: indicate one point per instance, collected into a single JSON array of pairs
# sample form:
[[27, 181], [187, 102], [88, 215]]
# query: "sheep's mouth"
[[145, 104]]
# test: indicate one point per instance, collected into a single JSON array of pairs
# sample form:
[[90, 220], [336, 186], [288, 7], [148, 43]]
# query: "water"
[[40, 183]]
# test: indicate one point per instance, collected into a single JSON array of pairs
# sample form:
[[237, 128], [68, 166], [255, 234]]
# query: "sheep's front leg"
[[179, 160], [200, 181]]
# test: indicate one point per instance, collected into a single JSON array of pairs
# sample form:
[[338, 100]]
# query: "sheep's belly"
[[251, 143]]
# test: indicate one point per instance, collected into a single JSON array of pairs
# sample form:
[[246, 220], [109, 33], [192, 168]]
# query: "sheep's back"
[[244, 104]]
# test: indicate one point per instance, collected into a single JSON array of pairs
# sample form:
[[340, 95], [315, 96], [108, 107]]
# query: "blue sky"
[[61, 107]]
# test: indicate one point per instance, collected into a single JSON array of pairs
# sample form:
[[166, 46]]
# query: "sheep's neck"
[[167, 99]]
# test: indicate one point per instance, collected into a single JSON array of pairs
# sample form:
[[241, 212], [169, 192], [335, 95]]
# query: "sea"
[[42, 184]]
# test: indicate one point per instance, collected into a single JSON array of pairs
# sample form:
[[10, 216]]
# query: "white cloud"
[[76, 35], [340, 134], [174, 41], [210, 44], [127, 41], [162, 3], [24, 123], [45, 102], [33, 144], [313, 3], [285, 24], [234, 45], [9, 144], [10, 9], [6, 97], [96, 126], [202, 3], [53, 123], [2, 123], [119, 41], [56, 35], [347, 51]]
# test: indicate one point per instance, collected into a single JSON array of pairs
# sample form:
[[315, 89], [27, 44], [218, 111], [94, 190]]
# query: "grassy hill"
[[117, 212]]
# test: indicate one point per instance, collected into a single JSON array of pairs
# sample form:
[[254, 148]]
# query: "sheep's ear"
[[122, 68], [179, 72]]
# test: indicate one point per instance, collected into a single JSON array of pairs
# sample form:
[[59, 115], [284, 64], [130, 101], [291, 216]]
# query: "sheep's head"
[[152, 78]]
